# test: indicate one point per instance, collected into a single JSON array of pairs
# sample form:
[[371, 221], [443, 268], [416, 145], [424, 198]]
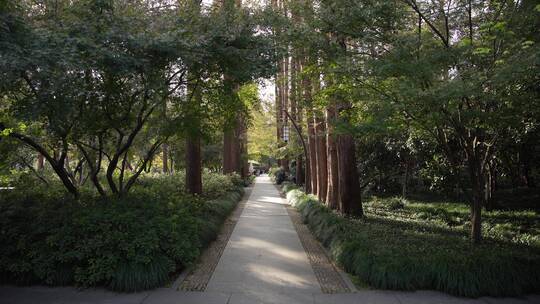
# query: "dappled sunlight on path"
[[264, 256]]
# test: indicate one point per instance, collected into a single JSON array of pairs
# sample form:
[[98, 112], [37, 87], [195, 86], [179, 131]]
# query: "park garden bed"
[[129, 243], [410, 246]]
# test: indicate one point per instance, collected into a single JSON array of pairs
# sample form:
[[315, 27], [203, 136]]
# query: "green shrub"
[[214, 184], [249, 180], [397, 203], [278, 175], [392, 252], [288, 186], [272, 171], [128, 244]]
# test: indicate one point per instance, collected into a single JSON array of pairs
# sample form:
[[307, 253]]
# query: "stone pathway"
[[264, 261], [264, 258], [197, 278]]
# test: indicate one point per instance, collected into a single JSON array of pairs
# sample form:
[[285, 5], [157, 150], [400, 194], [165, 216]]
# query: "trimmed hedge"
[[125, 244], [390, 254]]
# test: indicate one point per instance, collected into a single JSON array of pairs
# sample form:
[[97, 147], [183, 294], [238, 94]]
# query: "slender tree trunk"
[[40, 162], [81, 175], [237, 147], [405, 178], [349, 184], [322, 171], [193, 143], [165, 157], [307, 178], [332, 196], [279, 124], [311, 163], [285, 102], [243, 153], [489, 187], [228, 151], [296, 114], [477, 183], [226, 156], [193, 165], [278, 88], [312, 147], [300, 173]]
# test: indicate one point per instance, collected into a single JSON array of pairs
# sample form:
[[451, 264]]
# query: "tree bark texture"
[[322, 171], [332, 195]]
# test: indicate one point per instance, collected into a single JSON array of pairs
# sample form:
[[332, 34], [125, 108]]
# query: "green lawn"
[[413, 245], [519, 227]]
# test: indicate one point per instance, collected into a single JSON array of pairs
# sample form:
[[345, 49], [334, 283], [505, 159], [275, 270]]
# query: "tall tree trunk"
[[312, 147], [278, 88], [322, 171], [300, 173], [332, 195], [242, 149], [349, 184], [228, 138], [165, 157], [489, 187], [193, 142], [477, 183], [40, 162], [311, 163], [193, 165], [237, 147], [285, 101], [405, 177], [232, 148], [279, 110]]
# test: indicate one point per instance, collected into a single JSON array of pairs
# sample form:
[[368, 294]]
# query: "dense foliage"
[[126, 244], [436, 97], [96, 89], [410, 246]]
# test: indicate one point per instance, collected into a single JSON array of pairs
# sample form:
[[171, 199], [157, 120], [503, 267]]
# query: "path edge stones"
[[330, 277]]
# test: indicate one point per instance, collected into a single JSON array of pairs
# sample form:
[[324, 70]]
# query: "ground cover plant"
[[127, 243], [410, 245]]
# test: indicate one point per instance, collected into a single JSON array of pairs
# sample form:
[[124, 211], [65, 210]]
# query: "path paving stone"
[[264, 256], [66, 295], [198, 277], [171, 296]]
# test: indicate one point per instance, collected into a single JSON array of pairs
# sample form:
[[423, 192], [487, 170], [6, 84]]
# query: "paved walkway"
[[264, 259], [263, 262]]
